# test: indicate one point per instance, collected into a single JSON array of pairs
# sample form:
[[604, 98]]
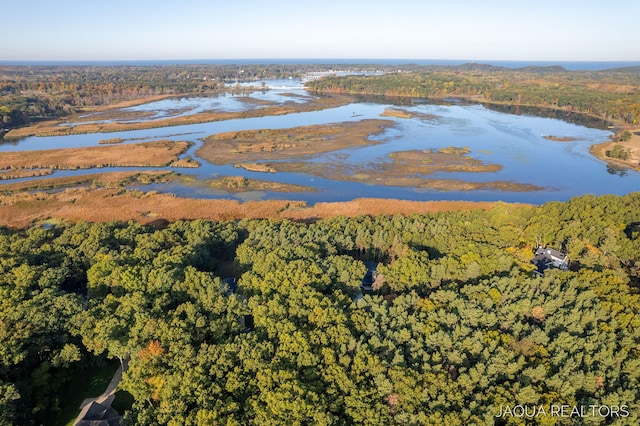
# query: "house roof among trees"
[[99, 415]]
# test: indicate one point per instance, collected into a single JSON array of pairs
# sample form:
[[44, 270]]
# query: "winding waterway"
[[516, 142]]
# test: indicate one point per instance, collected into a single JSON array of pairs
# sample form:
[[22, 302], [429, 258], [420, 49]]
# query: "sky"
[[505, 30]]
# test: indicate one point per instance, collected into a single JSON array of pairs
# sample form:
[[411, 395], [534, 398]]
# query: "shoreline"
[[21, 210], [70, 126], [54, 128], [633, 144]]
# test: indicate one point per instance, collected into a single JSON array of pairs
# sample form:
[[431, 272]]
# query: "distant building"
[[547, 258], [370, 276], [96, 414], [229, 286]]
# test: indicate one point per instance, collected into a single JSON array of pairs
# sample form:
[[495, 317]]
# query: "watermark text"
[[563, 410]]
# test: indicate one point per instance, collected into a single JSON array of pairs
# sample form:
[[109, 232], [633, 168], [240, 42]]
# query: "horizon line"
[[298, 59], [569, 65]]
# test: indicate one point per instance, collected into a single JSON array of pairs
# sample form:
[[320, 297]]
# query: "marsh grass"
[[253, 146], [411, 168], [257, 167], [19, 174], [23, 209], [186, 162], [147, 154], [97, 180], [234, 184]]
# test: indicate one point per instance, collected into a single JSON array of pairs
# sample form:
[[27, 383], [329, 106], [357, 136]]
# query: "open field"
[[73, 127], [252, 146], [23, 209], [157, 154]]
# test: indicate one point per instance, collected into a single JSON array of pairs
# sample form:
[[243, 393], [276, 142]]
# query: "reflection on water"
[[513, 139], [612, 169]]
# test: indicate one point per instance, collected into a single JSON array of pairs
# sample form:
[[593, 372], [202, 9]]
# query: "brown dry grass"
[[110, 141], [408, 168], [461, 185], [126, 104], [157, 154], [109, 180], [633, 144], [18, 174], [272, 144], [254, 101], [103, 205], [188, 163], [448, 160], [256, 167], [378, 206], [242, 184], [403, 113], [396, 112]]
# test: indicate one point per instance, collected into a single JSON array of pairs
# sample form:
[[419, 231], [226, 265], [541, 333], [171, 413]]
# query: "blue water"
[[570, 65], [562, 169]]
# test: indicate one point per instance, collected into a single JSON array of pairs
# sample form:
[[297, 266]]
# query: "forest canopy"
[[611, 95], [456, 325]]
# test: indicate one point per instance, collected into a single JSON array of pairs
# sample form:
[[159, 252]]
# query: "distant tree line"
[[30, 93], [456, 326], [612, 95]]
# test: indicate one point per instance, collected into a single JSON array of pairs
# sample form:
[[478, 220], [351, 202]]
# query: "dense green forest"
[[611, 95], [457, 325]]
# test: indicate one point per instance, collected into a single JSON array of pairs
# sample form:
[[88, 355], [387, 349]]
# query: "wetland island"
[[469, 133], [419, 134]]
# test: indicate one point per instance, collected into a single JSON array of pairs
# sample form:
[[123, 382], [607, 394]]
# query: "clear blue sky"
[[549, 30]]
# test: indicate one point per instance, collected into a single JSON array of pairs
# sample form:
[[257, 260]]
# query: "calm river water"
[[563, 169]]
